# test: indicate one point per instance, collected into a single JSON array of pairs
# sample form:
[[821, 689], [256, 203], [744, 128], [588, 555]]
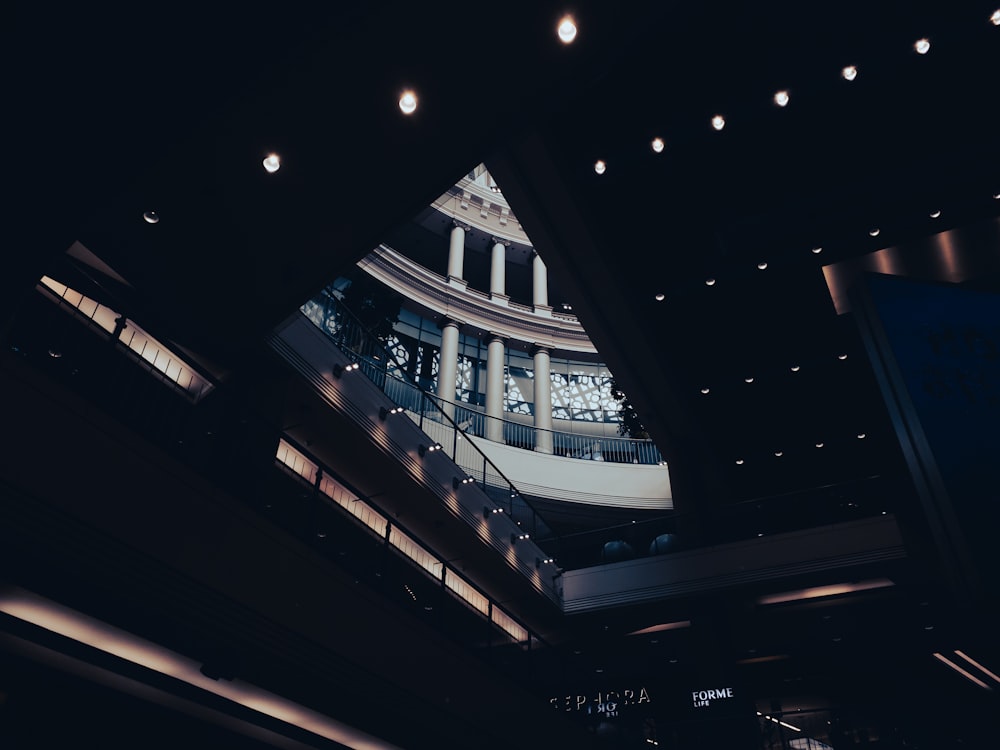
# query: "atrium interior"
[[601, 377]]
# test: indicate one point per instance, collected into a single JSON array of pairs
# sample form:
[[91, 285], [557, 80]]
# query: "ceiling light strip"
[[978, 666], [968, 675]]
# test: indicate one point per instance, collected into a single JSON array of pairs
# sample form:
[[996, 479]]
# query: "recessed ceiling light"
[[922, 46], [660, 297], [566, 30], [861, 436], [817, 250], [996, 196], [762, 265], [995, 18], [795, 368], [718, 122], [705, 391], [271, 163], [781, 98], [408, 103], [849, 73], [709, 282], [600, 167], [935, 214], [874, 232], [841, 357], [819, 445], [657, 145], [748, 380], [779, 454], [151, 217]]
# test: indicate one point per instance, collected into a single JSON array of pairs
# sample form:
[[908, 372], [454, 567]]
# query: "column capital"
[[447, 320], [489, 337], [540, 348], [499, 241], [461, 225]]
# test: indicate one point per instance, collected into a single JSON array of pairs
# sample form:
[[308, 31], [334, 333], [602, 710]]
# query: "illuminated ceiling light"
[[841, 357], [862, 436], [849, 73], [922, 46], [995, 18], [718, 122], [748, 380], [977, 665], [967, 675], [600, 167], [660, 297], [271, 163], [408, 103], [740, 462], [781, 98], [935, 214], [779, 454], [795, 368], [817, 250], [678, 625], [819, 592], [874, 232], [709, 282], [151, 217], [705, 391], [566, 30], [819, 445], [762, 265], [996, 196], [657, 145]]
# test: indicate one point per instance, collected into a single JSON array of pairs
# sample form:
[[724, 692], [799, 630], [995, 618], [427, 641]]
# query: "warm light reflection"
[[965, 673], [818, 592], [718, 122], [408, 103], [922, 46], [663, 626], [657, 145], [849, 73], [977, 665], [271, 163], [781, 98], [600, 167], [566, 30]]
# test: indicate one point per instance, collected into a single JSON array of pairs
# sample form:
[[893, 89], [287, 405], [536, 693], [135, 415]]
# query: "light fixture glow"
[[819, 592], [841, 357], [795, 368], [849, 73], [709, 282], [862, 436], [408, 103], [718, 122], [600, 167], [271, 163], [662, 626], [748, 379], [995, 18], [819, 445], [660, 297], [935, 214], [657, 145], [977, 665], [967, 675], [874, 232], [817, 250], [781, 98], [762, 265], [705, 391], [922, 46], [740, 462], [151, 217], [779, 454], [566, 30]]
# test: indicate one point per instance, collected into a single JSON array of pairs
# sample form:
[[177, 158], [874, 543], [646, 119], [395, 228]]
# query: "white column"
[[448, 367], [494, 389], [456, 252], [543, 401], [498, 268], [540, 282]]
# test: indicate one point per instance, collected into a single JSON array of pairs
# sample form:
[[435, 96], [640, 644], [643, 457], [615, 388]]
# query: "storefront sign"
[[604, 704], [704, 698]]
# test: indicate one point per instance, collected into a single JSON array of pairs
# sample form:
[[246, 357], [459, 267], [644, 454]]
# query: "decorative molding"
[[453, 298]]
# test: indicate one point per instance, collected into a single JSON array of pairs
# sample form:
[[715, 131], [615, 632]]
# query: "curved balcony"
[[496, 314]]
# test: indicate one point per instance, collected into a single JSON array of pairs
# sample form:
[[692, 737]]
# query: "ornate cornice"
[[500, 317]]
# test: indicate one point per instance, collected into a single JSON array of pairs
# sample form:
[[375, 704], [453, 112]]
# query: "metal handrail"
[[379, 365]]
